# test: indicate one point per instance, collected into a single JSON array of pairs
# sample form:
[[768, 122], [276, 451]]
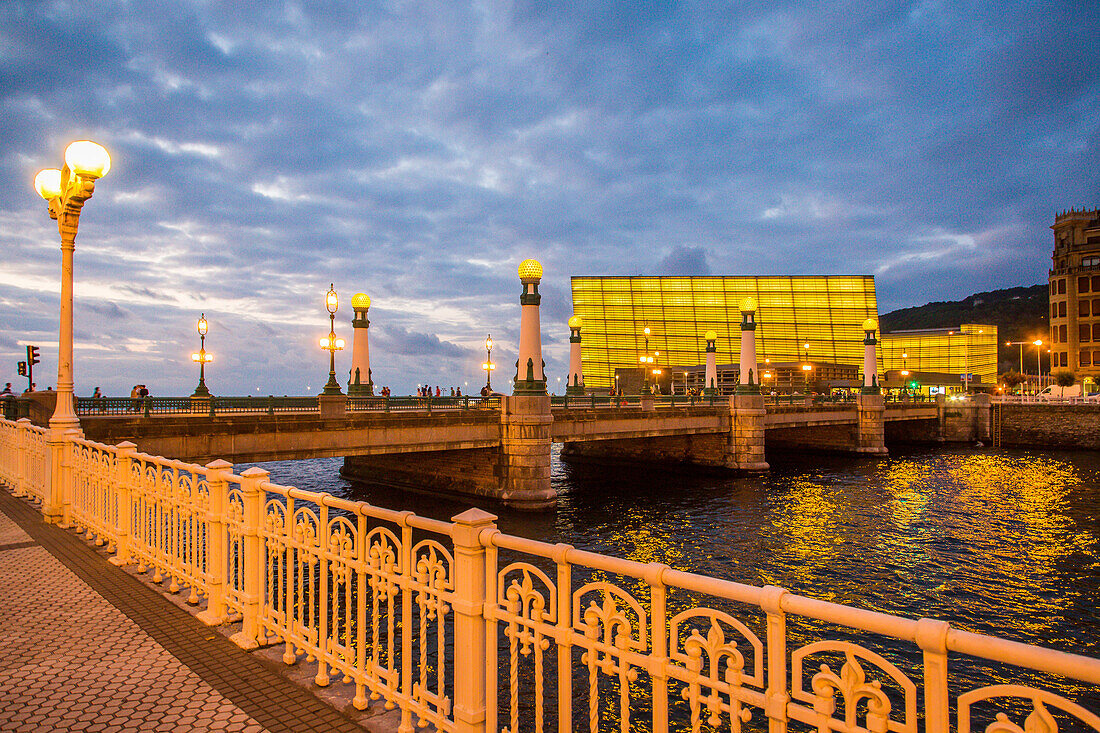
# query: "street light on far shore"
[[202, 358], [66, 191]]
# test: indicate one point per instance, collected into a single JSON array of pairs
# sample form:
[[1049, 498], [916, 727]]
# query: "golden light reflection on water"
[[972, 529]]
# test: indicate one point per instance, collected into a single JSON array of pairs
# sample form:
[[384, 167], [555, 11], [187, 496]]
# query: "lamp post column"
[[525, 415], [748, 370], [529, 376], [576, 373], [870, 406], [710, 383], [360, 348]]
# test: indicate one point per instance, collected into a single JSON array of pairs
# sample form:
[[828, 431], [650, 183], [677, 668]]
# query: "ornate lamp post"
[[807, 366], [202, 358], [330, 343], [645, 360], [1039, 363], [489, 366], [66, 190]]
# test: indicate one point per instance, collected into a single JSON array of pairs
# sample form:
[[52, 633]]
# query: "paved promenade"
[[87, 647]]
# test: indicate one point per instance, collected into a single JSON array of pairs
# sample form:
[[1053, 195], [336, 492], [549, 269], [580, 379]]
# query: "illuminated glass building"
[[824, 311], [939, 357]]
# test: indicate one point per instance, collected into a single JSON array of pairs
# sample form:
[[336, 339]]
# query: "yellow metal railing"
[[470, 629]]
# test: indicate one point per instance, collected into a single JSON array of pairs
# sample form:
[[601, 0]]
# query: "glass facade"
[[825, 311], [972, 347]]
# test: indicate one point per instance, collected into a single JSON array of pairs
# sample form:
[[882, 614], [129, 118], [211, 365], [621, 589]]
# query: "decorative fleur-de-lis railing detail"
[[234, 509], [610, 634], [853, 685], [275, 528], [341, 543], [431, 572], [616, 628], [715, 649]]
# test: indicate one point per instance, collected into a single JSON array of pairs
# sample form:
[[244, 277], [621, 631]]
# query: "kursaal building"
[[815, 319]]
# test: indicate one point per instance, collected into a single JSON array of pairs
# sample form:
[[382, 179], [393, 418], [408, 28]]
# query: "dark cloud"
[[683, 260], [419, 152]]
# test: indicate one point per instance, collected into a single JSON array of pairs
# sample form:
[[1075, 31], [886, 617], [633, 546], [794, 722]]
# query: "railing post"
[[932, 639], [121, 482], [429, 404], [776, 696], [248, 636], [385, 404], [145, 405], [217, 560], [469, 607], [54, 508], [22, 431]]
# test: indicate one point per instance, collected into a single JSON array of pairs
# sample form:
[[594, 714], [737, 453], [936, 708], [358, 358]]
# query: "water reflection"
[[1001, 542]]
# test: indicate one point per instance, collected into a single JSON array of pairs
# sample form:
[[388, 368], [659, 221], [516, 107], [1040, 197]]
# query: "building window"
[[1096, 332], [1082, 307], [1090, 261], [1096, 307], [1084, 332], [1063, 334], [1053, 310], [1053, 288], [1082, 285], [1084, 359], [1065, 359], [1096, 358], [1062, 309], [1062, 286], [1096, 283]]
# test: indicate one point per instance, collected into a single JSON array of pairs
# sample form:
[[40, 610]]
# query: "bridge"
[[500, 447]]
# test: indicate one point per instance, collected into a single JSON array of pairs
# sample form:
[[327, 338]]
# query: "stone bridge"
[[503, 452]]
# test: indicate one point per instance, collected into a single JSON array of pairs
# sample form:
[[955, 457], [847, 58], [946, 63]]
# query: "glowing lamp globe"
[[748, 304], [576, 322], [339, 343], [870, 325], [87, 159], [323, 342], [530, 270], [710, 336], [48, 183], [360, 301]]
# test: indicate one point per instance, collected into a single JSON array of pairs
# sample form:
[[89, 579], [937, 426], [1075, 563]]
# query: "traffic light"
[[22, 368], [32, 355], [914, 384]]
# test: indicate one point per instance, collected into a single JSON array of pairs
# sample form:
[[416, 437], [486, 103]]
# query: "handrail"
[[286, 560]]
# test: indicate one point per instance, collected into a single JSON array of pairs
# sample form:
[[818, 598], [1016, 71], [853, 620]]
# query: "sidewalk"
[[88, 647]]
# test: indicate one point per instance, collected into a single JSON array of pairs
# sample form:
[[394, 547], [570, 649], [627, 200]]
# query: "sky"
[[418, 152]]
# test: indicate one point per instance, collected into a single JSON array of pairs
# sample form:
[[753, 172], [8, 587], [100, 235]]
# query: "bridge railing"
[[430, 404], [470, 629]]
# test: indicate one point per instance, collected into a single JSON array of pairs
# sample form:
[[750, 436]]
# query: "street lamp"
[[66, 190], [330, 343], [488, 366], [202, 358], [1039, 362]]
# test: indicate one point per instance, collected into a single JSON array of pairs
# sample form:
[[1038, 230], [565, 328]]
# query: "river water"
[[1005, 542]]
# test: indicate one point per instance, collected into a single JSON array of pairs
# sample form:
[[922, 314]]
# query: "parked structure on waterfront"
[[1075, 294]]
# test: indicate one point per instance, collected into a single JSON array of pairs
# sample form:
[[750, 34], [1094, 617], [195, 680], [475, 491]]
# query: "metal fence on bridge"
[[470, 629]]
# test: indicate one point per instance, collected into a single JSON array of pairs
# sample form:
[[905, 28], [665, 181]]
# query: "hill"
[[1019, 313]]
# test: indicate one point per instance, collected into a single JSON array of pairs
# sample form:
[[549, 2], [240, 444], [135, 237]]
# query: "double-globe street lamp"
[[66, 190], [202, 357], [488, 366], [330, 343], [1037, 343]]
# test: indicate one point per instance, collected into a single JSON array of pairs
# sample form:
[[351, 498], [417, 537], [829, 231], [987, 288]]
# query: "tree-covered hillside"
[[1019, 313]]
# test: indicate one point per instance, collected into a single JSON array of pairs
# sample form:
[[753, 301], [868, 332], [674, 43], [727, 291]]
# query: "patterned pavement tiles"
[[87, 647]]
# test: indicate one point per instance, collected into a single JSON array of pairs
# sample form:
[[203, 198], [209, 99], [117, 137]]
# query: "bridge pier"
[[525, 440], [745, 449], [871, 430]]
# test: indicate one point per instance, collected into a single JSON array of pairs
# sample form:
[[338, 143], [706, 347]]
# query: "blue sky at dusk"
[[419, 151]]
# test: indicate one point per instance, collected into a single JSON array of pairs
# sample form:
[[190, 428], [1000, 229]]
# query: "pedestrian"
[[96, 394], [7, 389], [437, 391], [452, 391], [458, 391]]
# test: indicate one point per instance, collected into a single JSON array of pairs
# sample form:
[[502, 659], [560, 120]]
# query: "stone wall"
[[462, 473], [1049, 426], [707, 449]]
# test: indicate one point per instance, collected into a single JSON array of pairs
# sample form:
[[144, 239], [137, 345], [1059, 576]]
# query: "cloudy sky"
[[418, 151]]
